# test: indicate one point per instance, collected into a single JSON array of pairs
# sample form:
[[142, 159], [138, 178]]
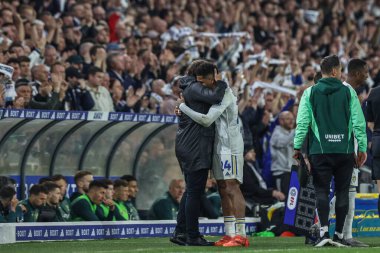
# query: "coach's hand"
[[361, 158], [297, 154], [180, 100]]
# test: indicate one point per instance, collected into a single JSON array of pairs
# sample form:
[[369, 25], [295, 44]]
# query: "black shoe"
[[323, 241], [309, 240], [339, 242], [178, 238], [198, 241]]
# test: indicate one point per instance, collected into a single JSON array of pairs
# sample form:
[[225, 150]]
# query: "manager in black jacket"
[[194, 146]]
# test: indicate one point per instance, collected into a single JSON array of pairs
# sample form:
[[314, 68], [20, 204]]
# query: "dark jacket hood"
[[185, 81], [329, 85]]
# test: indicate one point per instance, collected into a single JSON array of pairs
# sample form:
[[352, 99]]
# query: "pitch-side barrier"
[[65, 231]]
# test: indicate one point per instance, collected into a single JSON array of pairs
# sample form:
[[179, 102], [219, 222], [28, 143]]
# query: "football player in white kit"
[[228, 159]]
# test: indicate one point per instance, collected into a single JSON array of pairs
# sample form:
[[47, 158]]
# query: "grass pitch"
[[157, 245]]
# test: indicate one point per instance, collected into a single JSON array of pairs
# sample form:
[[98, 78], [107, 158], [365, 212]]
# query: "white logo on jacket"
[[334, 137]]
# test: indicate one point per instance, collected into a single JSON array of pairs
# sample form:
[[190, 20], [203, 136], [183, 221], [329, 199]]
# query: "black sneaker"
[[198, 241], [178, 238], [355, 243], [323, 241], [339, 242], [309, 240]]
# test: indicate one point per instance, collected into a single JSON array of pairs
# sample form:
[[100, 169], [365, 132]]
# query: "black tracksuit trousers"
[[190, 205], [323, 167]]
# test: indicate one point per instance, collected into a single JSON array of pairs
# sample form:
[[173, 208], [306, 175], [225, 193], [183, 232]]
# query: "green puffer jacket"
[[333, 113]]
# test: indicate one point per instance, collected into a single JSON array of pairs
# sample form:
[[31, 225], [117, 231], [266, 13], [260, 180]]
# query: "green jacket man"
[[31, 206], [330, 134], [166, 207], [8, 204], [121, 195], [84, 207], [331, 115]]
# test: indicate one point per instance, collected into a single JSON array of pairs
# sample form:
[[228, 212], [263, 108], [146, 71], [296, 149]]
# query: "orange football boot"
[[225, 239], [237, 241]]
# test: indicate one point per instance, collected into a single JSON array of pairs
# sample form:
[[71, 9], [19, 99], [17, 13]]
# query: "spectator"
[[78, 98], [100, 95], [82, 181], [281, 145], [50, 56], [116, 68], [31, 206], [97, 59], [40, 76], [308, 74], [58, 68], [15, 64], [166, 207], [156, 97], [172, 93], [83, 208], [254, 188], [24, 94], [25, 67], [75, 61], [51, 94]]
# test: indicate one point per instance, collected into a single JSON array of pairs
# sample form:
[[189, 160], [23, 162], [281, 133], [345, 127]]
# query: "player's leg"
[[239, 210], [228, 213], [238, 202], [347, 228], [221, 168]]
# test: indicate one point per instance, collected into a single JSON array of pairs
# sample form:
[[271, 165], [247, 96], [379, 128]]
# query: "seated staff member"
[[83, 208]]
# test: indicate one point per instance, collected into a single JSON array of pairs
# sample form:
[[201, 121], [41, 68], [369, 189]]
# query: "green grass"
[[163, 245]]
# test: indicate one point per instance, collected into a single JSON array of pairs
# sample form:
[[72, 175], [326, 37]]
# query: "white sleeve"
[[207, 119]]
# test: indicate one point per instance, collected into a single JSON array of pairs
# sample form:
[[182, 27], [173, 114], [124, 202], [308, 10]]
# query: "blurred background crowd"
[[126, 56]]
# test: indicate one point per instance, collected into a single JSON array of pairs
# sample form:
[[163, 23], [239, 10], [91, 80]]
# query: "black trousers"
[[190, 205], [323, 167], [282, 182], [375, 150]]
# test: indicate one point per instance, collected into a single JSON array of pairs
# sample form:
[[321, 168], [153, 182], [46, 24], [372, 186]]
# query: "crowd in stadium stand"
[[127, 56]]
